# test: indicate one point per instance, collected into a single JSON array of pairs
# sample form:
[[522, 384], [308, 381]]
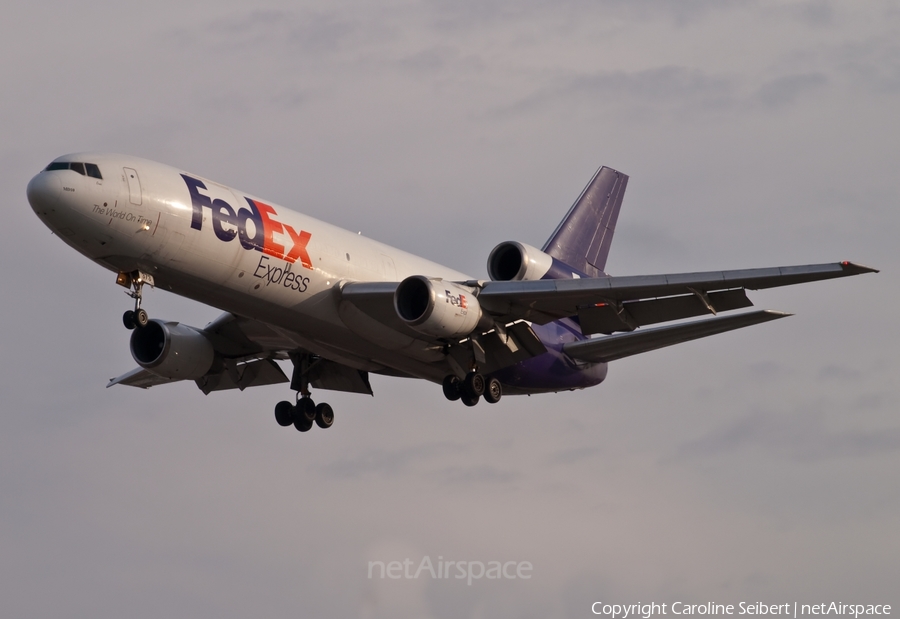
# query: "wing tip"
[[773, 314], [854, 268]]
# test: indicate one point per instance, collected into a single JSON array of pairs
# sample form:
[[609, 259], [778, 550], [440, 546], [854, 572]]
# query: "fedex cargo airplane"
[[340, 306]]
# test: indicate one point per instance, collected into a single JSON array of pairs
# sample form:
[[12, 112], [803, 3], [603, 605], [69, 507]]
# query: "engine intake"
[[436, 307], [172, 350], [513, 261]]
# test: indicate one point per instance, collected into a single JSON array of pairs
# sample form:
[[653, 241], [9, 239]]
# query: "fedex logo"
[[459, 301], [228, 224]]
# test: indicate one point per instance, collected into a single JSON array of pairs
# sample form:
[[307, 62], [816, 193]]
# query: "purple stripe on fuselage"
[[553, 370]]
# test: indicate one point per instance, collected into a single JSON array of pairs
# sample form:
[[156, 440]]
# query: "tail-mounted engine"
[[172, 350], [436, 307], [513, 261]]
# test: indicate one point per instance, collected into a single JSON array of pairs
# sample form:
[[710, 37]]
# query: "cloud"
[[786, 90], [834, 372], [428, 61], [873, 64], [577, 454], [802, 436], [389, 463], [478, 474], [468, 14], [262, 31], [662, 89]]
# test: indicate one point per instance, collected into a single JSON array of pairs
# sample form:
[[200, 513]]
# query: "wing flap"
[[327, 374], [622, 345], [608, 318], [253, 374]]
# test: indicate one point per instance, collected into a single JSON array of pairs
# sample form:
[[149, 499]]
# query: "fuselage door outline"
[[134, 186]]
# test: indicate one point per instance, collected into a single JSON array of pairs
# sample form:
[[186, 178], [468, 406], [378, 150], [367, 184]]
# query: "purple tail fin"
[[583, 238]]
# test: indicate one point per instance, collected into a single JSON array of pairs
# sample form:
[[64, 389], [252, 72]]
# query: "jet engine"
[[436, 307], [172, 350], [512, 261]]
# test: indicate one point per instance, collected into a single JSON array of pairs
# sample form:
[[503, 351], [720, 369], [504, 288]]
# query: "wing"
[[247, 350], [609, 304]]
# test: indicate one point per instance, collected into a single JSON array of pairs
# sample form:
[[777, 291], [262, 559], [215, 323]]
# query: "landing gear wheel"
[[141, 318], [302, 423], [494, 391], [469, 400], [284, 413], [128, 320], [451, 387], [324, 415], [305, 409], [473, 385]]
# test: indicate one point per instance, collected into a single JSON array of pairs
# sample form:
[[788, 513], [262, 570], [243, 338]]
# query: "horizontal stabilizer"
[[614, 347]]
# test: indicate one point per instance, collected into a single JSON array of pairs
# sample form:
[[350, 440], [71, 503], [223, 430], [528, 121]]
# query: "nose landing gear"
[[136, 318], [135, 280]]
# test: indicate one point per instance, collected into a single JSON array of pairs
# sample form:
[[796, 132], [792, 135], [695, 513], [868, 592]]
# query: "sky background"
[[758, 465]]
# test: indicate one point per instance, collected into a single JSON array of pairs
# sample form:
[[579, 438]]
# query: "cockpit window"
[[89, 169], [92, 170]]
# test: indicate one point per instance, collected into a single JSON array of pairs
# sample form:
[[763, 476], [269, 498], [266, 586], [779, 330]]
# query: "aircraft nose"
[[43, 193]]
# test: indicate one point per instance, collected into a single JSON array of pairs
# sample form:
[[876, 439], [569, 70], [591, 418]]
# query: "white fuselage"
[[233, 251]]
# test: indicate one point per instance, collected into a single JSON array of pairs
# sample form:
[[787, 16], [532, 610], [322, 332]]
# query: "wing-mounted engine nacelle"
[[513, 261], [172, 350], [437, 307]]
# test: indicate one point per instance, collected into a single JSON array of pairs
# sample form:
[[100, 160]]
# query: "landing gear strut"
[[305, 412], [135, 280]]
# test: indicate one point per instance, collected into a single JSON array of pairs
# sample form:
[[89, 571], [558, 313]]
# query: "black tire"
[[284, 413], [128, 320], [494, 391], [451, 386], [302, 423], [141, 318], [324, 415], [469, 400], [473, 385], [305, 409]]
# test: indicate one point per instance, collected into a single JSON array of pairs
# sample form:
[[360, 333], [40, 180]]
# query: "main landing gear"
[[305, 412], [135, 280], [471, 388]]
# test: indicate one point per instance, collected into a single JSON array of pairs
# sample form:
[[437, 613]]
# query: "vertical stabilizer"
[[583, 238]]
